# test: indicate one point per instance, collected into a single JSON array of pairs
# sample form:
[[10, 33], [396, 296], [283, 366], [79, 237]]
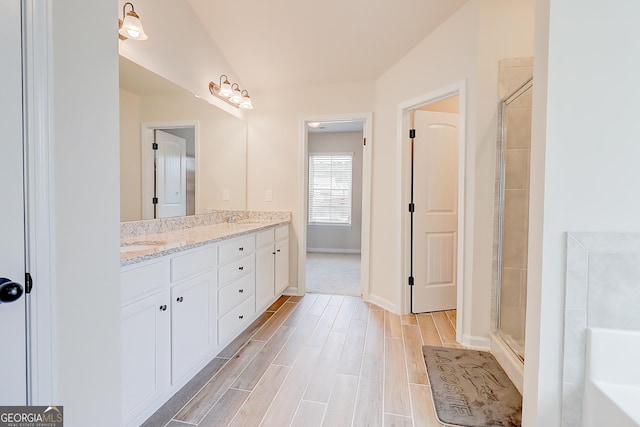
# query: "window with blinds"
[[330, 188]]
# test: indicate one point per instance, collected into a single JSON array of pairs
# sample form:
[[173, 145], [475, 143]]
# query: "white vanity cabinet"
[[236, 286], [282, 259], [193, 309], [272, 265], [168, 326], [145, 337], [180, 310]]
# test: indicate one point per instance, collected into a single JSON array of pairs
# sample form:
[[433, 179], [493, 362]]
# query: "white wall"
[[466, 47], [179, 48], [584, 165], [330, 239], [130, 173], [86, 213], [275, 146]]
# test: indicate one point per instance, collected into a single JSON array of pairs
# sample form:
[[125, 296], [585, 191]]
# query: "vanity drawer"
[[140, 281], [235, 292], [264, 238], [282, 232], [236, 319], [236, 269], [192, 263], [236, 248]]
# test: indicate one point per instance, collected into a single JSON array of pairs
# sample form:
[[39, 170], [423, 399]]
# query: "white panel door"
[[13, 380], [171, 179], [436, 211]]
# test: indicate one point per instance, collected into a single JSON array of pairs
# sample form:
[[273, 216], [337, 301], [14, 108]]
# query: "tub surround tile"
[[613, 283], [601, 290]]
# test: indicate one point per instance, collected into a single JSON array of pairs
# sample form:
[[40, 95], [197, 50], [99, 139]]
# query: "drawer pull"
[[180, 299], [241, 316], [163, 307], [241, 248], [241, 290], [241, 268]]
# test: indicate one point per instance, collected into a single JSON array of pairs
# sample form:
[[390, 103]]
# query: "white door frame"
[[41, 312], [367, 118], [147, 160], [403, 110]]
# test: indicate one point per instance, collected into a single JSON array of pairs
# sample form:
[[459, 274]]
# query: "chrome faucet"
[[232, 218]]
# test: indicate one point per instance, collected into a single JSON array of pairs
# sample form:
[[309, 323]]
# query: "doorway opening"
[[433, 159], [336, 194], [169, 172]]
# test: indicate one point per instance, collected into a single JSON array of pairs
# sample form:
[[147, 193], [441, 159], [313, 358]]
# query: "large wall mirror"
[[199, 161]]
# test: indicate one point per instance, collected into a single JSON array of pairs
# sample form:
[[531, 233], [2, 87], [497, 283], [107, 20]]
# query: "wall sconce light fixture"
[[130, 27], [231, 93]]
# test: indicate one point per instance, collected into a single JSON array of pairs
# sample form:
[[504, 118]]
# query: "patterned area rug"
[[470, 389]]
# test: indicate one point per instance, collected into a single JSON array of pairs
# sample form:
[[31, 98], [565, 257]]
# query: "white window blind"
[[330, 188]]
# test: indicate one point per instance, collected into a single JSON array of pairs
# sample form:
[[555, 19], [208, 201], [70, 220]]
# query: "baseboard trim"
[[479, 343], [512, 365], [334, 251], [383, 303]]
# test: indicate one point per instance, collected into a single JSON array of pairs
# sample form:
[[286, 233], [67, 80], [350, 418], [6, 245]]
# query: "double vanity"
[[189, 287]]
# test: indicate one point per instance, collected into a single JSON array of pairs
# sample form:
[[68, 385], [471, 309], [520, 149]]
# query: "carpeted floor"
[[334, 274]]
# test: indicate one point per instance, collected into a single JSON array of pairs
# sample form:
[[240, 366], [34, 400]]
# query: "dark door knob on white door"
[[10, 291]]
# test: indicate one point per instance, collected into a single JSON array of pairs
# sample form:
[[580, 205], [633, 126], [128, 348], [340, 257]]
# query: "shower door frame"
[[504, 102]]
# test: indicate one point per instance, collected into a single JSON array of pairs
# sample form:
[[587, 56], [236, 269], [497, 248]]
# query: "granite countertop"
[[145, 247]]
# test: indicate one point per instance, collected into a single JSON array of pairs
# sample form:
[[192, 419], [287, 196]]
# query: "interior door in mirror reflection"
[[170, 175]]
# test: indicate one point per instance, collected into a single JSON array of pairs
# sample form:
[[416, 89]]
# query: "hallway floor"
[[317, 360], [333, 274]]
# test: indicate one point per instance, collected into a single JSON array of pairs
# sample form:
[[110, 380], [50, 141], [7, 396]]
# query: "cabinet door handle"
[[278, 250], [241, 316], [273, 253], [180, 299], [241, 248], [241, 268], [163, 307], [241, 291]]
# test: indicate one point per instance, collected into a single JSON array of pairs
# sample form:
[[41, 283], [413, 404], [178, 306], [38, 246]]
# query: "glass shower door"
[[514, 217]]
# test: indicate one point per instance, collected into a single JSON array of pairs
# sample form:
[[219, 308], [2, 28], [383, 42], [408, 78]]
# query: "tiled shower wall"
[[513, 72], [602, 290]]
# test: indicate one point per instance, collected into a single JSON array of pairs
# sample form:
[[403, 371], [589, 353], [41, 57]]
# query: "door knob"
[[10, 291]]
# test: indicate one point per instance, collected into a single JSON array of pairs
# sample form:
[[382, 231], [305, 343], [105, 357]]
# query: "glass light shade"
[[132, 27], [236, 98], [246, 102], [225, 88]]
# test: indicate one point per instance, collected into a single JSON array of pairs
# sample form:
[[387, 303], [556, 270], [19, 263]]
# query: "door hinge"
[[28, 283], [154, 200], [412, 133], [365, 142], [410, 280], [154, 146], [412, 207]]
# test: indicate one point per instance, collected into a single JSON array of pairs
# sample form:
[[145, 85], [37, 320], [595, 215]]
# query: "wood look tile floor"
[[317, 360]]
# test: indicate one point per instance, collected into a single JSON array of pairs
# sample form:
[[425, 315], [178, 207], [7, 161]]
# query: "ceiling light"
[[231, 93], [246, 101], [130, 26], [314, 124]]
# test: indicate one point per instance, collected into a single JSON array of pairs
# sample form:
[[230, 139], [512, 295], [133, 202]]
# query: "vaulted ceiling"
[[282, 43]]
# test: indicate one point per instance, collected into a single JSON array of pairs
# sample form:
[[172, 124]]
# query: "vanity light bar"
[[231, 93]]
